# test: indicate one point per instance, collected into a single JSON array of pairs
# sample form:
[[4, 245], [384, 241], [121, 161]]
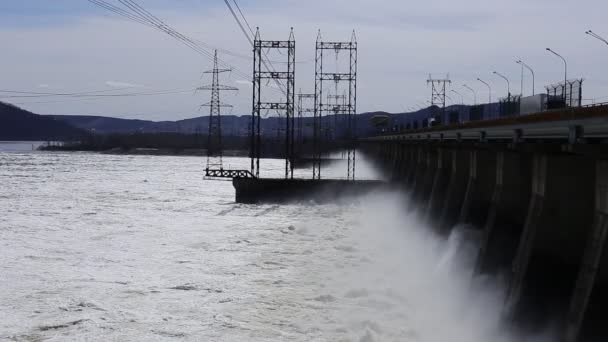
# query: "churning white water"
[[141, 248]]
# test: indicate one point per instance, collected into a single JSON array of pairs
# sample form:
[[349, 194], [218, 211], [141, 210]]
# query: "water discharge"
[[100, 248]]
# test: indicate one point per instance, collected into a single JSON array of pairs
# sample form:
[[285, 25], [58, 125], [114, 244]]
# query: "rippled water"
[[142, 248]]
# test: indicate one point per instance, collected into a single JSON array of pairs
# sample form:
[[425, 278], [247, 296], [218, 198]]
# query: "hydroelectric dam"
[[535, 188]]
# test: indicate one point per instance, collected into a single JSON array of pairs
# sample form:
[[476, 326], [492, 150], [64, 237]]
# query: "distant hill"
[[20, 124], [104, 124], [234, 125], [231, 124]]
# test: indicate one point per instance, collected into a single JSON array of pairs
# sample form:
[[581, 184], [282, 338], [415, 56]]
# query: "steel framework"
[[214, 135], [286, 105], [438, 86], [348, 108], [304, 108]]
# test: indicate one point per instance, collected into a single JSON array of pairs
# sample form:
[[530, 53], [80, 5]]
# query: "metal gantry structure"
[[348, 108], [438, 89], [284, 106], [337, 103], [305, 107], [214, 137]]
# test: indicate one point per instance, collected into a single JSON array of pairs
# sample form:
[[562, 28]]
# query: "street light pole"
[[474, 93], [489, 89], [596, 36], [532, 71], [521, 85], [565, 69], [459, 94], [508, 83]]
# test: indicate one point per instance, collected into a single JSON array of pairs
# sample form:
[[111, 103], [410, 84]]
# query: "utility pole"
[[489, 89], [596, 36], [459, 94], [506, 79], [531, 71], [214, 137], [565, 70], [472, 91]]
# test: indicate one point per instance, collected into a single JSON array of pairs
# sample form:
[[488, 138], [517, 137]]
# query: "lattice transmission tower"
[[348, 107], [337, 103], [285, 105], [438, 92], [215, 165], [305, 107]]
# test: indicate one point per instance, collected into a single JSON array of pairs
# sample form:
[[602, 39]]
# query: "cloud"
[[400, 43], [119, 84]]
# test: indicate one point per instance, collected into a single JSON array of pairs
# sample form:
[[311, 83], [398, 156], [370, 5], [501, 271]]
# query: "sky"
[[73, 46]]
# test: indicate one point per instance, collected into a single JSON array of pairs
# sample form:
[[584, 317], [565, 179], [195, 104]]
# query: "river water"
[[141, 248]]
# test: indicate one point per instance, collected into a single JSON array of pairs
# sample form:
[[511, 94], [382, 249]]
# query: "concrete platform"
[[303, 163], [274, 190]]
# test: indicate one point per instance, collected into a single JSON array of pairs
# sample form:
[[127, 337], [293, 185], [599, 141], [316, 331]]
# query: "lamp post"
[[474, 93], [521, 84], [508, 83], [596, 36], [565, 69], [532, 71], [459, 94], [449, 98], [489, 89]]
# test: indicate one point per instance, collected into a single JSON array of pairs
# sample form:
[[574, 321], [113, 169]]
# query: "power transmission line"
[[137, 13], [266, 61], [60, 94], [119, 11], [162, 92]]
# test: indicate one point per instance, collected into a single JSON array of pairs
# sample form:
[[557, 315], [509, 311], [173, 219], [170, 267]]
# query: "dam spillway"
[[535, 187]]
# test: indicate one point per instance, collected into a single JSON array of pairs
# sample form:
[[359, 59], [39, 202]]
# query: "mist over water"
[[141, 248], [430, 275]]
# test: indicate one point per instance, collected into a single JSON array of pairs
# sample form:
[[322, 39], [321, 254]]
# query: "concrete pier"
[[456, 190], [439, 186], [480, 187], [256, 190], [553, 240], [424, 178], [507, 213], [589, 282]]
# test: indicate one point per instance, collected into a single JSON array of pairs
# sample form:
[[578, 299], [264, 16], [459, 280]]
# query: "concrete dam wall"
[[540, 209]]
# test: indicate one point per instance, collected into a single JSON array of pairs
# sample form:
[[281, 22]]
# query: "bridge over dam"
[[535, 189]]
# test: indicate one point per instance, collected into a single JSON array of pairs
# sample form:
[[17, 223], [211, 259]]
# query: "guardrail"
[[223, 173], [571, 124]]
